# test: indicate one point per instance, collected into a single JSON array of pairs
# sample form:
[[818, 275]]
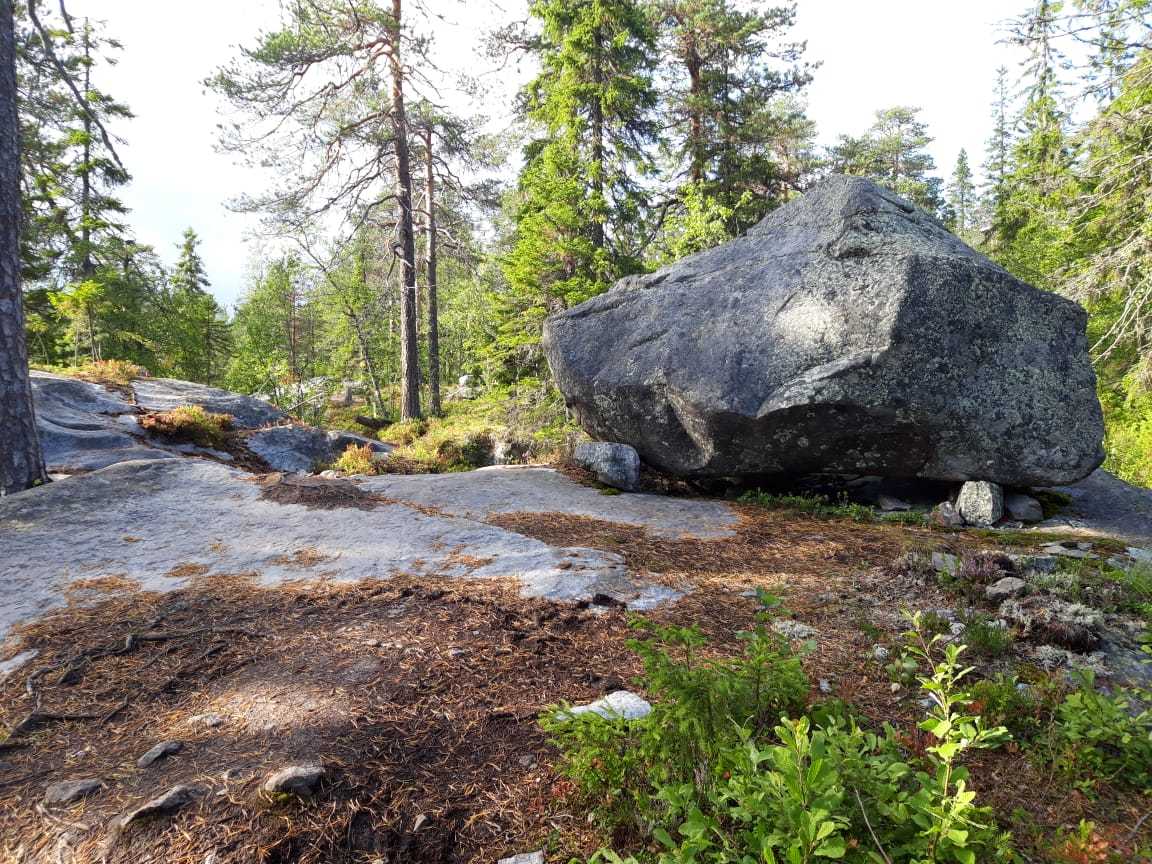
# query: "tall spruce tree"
[[196, 337], [737, 131], [998, 148], [894, 153], [962, 197], [580, 199]]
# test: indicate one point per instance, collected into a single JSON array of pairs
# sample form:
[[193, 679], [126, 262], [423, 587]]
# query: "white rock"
[[793, 629], [981, 503], [621, 704], [525, 858]]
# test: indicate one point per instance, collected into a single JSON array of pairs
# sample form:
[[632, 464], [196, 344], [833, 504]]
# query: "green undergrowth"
[[733, 766], [120, 373], [528, 421], [821, 506]]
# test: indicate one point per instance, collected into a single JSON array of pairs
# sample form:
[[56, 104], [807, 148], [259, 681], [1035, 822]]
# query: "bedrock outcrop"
[[847, 333]]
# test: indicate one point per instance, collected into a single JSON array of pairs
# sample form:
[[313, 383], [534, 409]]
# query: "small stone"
[[943, 562], [615, 465], [1068, 550], [171, 801], [1002, 589], [946, 516], [160, 751], [69, 791], [525, 858], [825, 686], [880, 653], [1023, 508], [527, 761], [980, 503], [891, 504], [790, 629], [1035, 563], [212, 721], [622, 704], [957, 627], [295, 780]]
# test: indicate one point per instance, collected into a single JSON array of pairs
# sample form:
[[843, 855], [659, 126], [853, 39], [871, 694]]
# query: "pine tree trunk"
[[21, 461], [433, 282], [696, 113], [409, 351]]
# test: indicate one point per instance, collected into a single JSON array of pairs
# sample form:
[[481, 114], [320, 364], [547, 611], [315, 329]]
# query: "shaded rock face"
[[846, 333], [301, 449]]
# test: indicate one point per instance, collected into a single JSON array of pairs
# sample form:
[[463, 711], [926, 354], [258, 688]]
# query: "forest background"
[[405, 239]]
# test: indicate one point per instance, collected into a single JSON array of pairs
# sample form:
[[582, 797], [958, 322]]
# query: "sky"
[[938, 55]]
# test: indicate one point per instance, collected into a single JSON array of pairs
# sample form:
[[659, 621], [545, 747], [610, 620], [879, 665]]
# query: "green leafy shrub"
[[713, 782], [190, 424], [1103, 737]]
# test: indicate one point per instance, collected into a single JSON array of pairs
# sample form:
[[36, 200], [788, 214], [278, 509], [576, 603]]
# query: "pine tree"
[[196, 326], [998, 149], [962, 196], [738, 129], [893, 152], [580, 200]]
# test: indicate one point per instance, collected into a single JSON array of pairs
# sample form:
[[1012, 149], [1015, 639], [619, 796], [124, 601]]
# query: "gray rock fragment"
[[946, 515], [298, 780], [1023, 508], [981, 503], [891, 504], [790, 629], [174, 799], [615, 465], [70, 791], [160, 751], [1003, 589]]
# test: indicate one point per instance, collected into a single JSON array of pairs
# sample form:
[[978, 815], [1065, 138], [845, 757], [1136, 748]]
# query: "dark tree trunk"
[[21, 462], [598, 234], [433, 282], [409, 351]]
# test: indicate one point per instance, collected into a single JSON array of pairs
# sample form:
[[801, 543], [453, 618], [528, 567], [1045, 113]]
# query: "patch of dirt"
[[421, 697], [316, 493]]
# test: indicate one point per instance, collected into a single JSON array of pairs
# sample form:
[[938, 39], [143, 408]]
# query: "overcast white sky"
[[936, 54]]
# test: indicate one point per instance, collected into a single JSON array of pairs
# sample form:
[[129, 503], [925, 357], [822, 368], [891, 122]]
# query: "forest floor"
[[421, 697]]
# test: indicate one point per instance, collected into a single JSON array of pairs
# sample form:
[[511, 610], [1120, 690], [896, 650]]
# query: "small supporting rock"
[[616, 465], [160, 751], [981, 503], [946, 516], [891, 504], [295, 780], [70, 791], [1023, 508]]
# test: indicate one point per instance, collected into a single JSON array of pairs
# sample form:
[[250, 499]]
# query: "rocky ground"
[[208, 664]]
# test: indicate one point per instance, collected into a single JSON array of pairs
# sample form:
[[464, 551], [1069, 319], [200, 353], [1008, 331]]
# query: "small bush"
[[986, 637], [712, 782], [473, 450], [190, 424], [404, 432], [356, 459], [1098, 736]]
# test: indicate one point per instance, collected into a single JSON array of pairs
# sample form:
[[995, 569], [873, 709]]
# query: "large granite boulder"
[[847, 333]]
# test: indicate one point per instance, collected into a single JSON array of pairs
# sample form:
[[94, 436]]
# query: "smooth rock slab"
[[164, 394], [71, 791], [189, 511]]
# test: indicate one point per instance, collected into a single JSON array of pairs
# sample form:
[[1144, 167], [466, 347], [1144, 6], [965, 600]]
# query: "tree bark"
[[430, 265], [409, 351], [21, 460]]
